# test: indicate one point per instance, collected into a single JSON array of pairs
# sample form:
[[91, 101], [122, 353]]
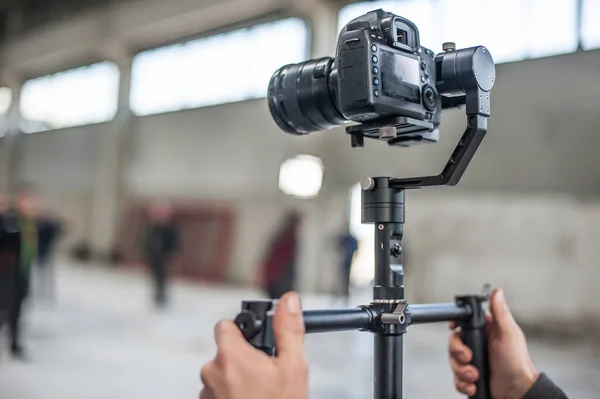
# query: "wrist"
[[527, 379]]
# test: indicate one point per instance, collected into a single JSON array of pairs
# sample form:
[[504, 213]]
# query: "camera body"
[[385, 81], [384, 72]]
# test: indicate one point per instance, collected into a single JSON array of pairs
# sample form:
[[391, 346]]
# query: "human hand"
[[239, 371], [511, 370]]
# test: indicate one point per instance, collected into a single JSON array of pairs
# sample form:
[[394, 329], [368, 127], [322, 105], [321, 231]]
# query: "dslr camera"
[[383, 79]]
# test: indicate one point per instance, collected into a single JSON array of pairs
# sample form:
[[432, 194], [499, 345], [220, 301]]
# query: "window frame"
[[223, 30]]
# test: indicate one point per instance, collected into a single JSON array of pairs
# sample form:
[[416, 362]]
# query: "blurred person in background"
[[278, 274], [160, 243], [347, 246], [6, 265], [239, 371], [49, 231], [18, 252]]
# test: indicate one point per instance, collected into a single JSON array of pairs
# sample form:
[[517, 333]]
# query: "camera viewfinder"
[[401, 36]]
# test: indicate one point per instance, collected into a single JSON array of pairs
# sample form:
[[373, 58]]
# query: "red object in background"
[[206, 240], [281, 256]]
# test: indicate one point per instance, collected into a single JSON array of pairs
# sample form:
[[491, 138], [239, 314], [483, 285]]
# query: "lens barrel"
[[302, 97]]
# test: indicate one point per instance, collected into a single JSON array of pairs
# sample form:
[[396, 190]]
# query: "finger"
[[452, 325], [489, 319], [206, 394], [458, 350], [227, 334], [464, 373], [489, 324], [500, 312], [465, 388], [207, 374], [288, 327]]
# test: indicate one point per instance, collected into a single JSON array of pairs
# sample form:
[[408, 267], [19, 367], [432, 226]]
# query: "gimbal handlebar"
[[463, 77], [255, 322]]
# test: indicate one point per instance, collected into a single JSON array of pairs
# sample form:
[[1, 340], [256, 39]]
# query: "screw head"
[[449, 46], [395, 251], [367, 183]]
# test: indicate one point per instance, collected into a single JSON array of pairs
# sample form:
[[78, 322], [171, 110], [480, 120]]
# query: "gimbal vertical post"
[[384, 206]]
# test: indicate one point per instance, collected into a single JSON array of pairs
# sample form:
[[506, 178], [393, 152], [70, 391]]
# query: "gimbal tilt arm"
[[464, 77]]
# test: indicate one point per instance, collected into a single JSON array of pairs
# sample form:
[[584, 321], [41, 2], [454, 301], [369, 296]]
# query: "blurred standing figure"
[[279, 269], [49, 231], [7, 261], [161, 241], [18, 252], [348, 245]]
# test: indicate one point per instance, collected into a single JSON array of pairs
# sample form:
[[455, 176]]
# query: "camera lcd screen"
[[400, 76]]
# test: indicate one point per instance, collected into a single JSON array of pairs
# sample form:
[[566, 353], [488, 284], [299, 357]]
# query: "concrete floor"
[[102, 340]]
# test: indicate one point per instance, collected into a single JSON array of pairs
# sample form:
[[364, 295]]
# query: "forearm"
[[544, 388]]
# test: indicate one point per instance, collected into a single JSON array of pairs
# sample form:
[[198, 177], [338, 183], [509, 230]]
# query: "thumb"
[[499, 309], [288, 327]]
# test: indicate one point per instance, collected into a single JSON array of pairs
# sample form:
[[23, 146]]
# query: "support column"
[[9, 148], [323, 18], [109, 181]]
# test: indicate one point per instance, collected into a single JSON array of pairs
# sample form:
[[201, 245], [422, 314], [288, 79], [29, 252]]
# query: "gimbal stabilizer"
[[471, 77]]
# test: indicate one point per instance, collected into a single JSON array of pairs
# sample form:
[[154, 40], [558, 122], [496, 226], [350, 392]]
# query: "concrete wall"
[[514, 220], [542, 250]]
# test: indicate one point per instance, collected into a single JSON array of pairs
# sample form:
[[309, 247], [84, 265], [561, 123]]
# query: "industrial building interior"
[[110, 106]]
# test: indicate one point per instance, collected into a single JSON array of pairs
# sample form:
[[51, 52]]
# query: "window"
[[512, 29], [75, 97], [301, 176], [590, 29], [223, 68]]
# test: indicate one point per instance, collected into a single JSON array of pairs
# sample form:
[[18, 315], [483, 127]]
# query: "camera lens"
[[302, 97]]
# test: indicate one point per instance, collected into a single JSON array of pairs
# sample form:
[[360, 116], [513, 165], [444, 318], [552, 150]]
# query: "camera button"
[[373, 47], [423, 78], [376, 93], [376, 81], [373, 36], [375, 59], [375, 70], [423, 66]]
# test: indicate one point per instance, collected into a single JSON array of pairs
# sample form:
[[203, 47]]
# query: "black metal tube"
[[388, 286], [317, 321], [384, 276], [436, 312], [388, 367]]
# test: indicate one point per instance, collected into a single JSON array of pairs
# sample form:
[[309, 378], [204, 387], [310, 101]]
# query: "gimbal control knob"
[[255, 323], [249, 324], [449, 46]]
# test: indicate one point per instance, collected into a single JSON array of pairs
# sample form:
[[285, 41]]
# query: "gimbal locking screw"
[[395, 251]]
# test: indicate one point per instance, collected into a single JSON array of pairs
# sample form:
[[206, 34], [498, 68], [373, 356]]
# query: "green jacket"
[[29, 243]]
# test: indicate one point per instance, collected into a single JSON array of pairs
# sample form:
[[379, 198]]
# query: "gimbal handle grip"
[[476, 340], [473, 336]]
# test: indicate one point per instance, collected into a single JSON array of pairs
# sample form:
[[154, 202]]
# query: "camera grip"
[[476, 340]]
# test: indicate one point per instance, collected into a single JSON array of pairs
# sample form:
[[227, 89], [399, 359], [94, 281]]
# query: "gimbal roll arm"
[[463, 77]]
